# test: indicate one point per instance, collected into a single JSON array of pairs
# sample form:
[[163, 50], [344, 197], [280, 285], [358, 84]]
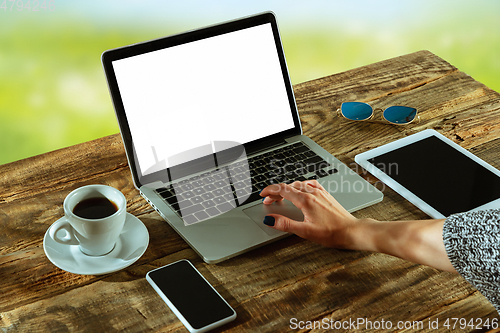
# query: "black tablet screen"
[[440, 175]]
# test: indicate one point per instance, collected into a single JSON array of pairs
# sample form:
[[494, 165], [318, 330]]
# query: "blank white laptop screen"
[[224, 88]]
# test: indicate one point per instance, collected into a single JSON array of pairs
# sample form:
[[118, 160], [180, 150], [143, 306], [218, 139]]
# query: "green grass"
[[53, 92], [52, 89]]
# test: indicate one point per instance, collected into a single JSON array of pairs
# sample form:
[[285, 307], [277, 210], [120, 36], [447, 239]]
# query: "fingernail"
[[269, 220]]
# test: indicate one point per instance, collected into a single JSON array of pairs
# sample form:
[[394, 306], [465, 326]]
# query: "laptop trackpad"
[[285, 208]]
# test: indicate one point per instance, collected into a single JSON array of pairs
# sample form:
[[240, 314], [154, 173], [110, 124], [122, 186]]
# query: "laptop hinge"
[[264, 146]]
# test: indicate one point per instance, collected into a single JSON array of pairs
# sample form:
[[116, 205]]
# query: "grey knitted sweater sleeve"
[[472, 241]]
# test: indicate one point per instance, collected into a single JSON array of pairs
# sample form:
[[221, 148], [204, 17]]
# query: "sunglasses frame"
[[415, 120]]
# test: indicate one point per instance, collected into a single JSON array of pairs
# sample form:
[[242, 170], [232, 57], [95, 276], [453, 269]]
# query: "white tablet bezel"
[[363, 158]]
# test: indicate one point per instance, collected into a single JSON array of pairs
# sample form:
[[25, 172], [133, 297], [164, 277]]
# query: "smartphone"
[[189, 295]]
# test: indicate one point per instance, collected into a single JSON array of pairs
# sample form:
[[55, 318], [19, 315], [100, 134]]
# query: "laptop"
[[208, 119]]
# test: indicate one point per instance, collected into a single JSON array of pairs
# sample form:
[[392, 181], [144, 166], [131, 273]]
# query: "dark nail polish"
[[264, 198], [269, 220]]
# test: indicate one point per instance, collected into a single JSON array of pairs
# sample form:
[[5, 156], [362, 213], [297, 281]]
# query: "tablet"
[[435, 174]]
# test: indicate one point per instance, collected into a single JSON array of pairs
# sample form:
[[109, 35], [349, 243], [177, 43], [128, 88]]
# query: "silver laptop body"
[[208, 118]]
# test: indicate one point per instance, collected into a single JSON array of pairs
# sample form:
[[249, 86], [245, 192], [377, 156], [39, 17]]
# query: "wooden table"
[[274, 288]]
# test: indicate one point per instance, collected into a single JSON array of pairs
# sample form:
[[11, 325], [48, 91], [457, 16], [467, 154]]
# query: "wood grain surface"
[[269, 286]]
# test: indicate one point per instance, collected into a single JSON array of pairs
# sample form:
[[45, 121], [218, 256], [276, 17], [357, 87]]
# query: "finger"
[[270, 190], [272, 198], [308, 185], [314, 183], [305, 186], [301, 186], [283, 223], [285, 191]]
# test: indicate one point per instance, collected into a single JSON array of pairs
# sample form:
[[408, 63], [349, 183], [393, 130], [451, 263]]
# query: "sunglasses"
[[397, 115]]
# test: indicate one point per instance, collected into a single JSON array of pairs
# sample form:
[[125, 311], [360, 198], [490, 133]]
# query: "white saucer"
[[131, 245]]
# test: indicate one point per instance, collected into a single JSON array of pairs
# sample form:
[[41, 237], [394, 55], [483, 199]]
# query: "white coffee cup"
[[95, 236]]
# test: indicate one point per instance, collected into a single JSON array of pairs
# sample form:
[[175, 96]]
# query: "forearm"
[[416, 241]]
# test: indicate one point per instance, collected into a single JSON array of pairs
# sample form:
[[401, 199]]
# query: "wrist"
[[417, 241], [362, 235]]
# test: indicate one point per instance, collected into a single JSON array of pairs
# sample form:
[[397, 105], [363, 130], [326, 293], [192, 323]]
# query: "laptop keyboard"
[[213, 193]]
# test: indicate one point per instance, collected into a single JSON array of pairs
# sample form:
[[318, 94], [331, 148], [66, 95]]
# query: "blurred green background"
[[53, 92]]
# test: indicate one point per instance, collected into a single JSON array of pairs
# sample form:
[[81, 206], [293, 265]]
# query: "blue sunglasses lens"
[[400, 114], [356, 110]]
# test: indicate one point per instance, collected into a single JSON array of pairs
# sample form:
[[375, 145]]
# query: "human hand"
[[326, 222]]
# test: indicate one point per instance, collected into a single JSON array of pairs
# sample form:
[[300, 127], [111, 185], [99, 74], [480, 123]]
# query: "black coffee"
[[95, 208]]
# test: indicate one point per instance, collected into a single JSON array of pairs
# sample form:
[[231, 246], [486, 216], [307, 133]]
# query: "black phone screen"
[[188, 291], [440, 175]]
